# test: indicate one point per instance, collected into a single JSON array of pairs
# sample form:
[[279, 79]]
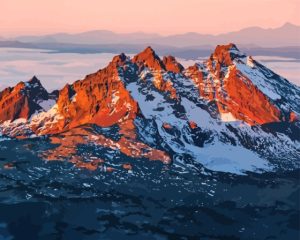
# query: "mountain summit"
[[23, 100], [229, 113], [149, 59]]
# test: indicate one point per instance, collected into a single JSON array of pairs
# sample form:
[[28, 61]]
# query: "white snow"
[[228, 117], [227, 158], [46, 119], [215, 156], [42, 120], [197, 114], [47, 104]]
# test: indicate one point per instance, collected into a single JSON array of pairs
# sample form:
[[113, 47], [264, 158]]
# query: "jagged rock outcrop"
[[148, 59], [23, 100], [100, 98], [172, 65], [221, 80]]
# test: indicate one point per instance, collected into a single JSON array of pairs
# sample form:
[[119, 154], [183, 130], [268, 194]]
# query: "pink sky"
[[160, 16]]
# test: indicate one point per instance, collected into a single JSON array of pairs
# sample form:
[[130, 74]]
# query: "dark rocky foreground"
[[57, 200]]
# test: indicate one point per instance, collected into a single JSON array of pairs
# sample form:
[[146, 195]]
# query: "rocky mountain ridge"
[[227, 111]]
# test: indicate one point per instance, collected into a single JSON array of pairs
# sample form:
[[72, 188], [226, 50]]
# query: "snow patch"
[[228, 117], [234, 159], [47, 104], [197, 114]]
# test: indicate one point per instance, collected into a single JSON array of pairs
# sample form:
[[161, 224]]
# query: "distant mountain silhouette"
[[286, 35], [91, 37]]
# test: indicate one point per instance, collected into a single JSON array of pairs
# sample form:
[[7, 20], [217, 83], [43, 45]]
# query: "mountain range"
[[286, 35], [282, 41], [229, 113]]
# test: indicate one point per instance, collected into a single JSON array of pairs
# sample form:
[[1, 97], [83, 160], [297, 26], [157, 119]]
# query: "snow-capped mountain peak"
[[230, 112]]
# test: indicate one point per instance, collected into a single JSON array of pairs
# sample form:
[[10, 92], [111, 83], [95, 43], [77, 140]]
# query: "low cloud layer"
[[56, 69]]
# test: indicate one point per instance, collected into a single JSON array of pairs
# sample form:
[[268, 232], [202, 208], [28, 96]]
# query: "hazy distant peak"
[[285, 35], [288, 24]]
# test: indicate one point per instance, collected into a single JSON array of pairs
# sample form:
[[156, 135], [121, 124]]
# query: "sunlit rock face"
[[219, 79], [23, 100]]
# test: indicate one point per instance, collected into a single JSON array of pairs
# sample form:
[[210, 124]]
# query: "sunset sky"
[[156, 16]]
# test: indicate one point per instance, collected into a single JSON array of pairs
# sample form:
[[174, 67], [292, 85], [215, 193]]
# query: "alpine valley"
[[161, 145]]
